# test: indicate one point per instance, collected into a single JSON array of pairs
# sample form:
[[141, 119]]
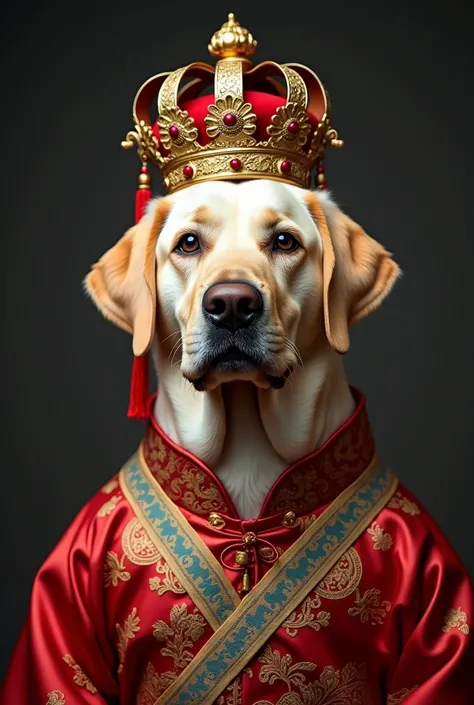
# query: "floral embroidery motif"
[[152, 685], [382, 540], [109, 506], [114, 569], [56, 698], [137, 545], [401, 695], [169, 583], [110, 486], [306, 618], [180, 635], [80, 677], [233, 693], [398, 501], [369, 608], [343, 579], [456, 619], [130, 627], [334, 687]]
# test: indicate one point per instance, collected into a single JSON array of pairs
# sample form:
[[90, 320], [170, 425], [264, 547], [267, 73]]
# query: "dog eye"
[[286, 242], [188, 245]]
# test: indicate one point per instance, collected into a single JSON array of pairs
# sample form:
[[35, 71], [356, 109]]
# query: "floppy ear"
[[123, 282], [358, 272]]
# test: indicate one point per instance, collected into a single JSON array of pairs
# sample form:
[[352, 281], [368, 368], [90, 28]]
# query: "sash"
[[245, 625]]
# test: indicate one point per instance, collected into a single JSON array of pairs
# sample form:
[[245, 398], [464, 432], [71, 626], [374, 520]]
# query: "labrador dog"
[[245, 293]]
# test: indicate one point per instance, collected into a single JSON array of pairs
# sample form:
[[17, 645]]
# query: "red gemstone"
[[320, 170], [230, 119], [293, 127], [173, 132], [188, 171], [285, 166], [235, 164], [144, 170]]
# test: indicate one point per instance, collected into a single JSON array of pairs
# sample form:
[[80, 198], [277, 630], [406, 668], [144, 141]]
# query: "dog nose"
[[232, 305]]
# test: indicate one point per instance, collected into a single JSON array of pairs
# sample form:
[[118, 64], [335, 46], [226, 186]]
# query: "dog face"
[[244, 280]]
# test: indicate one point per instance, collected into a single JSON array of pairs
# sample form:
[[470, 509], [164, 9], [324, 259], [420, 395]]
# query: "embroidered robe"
[[110, 622]]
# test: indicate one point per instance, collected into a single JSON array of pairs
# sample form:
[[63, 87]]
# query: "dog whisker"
[[169, 336]]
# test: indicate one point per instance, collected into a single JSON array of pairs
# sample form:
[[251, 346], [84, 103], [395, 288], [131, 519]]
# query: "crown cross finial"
[[232, 41]]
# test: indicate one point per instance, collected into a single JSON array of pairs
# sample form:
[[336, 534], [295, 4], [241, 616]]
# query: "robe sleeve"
[[62, 656], [436, 664]]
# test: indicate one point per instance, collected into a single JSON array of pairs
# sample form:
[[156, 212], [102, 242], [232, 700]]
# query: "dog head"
[[245, 279]]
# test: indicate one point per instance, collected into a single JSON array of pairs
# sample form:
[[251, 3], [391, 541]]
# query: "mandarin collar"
[[302, 488]]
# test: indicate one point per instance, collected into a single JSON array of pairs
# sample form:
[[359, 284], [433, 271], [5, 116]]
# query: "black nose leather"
[[232, 305]]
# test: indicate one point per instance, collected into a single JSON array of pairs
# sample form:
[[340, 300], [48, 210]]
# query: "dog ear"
[[358, 272], [122, 283]]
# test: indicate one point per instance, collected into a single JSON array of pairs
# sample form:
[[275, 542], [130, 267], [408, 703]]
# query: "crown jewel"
[[270, 121]]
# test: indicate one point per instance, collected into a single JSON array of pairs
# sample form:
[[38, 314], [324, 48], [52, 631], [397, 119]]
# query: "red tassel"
[[139, 384]]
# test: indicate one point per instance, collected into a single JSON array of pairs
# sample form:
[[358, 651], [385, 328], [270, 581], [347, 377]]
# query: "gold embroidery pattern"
[[369, 608], [343, 579], [152, 685], [110, 486], [382, 540], [109, 506], [183, 482], [334, 687], [56, 698], [398, 501], [80, 677], [233, 693], [180, 635], [306, 617], [401, 695], [169, 583], [137, 545], [456, 619], [114, 569], [130, 627]]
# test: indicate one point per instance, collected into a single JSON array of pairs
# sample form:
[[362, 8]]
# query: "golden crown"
[[270, 121]]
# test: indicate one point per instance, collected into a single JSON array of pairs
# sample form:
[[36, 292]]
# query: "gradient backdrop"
[[400, 78]]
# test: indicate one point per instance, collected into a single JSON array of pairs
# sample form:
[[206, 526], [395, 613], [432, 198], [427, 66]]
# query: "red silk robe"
[[390, 623]]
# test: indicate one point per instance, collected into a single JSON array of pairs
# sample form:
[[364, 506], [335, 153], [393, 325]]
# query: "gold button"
[[289, 519], [216, 520], [249, 538], [241, 558]]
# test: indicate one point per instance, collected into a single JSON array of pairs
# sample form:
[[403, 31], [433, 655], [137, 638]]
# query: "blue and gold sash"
[[244, 626]]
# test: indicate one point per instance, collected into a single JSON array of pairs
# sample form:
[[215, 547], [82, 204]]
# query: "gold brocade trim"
[[56, 697], [255, 163], [109, 506], [334, 687], [369, 608], [398, 501], [400, 696], [130, 627], [456, 619], [381, 539], [168, 556], [80, 677], [235, 623]]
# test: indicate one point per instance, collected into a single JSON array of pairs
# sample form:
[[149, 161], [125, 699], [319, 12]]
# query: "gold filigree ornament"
[[80, 677], [400, 696], [230, 119], [191, 147], [137, 545], [343, 579]]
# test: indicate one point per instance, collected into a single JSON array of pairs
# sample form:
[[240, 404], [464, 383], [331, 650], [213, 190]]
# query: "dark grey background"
[[400, 77]]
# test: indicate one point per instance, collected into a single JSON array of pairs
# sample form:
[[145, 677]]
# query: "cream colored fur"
[[247, 432]]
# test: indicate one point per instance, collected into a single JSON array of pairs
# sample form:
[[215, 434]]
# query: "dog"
[[245, 293]]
